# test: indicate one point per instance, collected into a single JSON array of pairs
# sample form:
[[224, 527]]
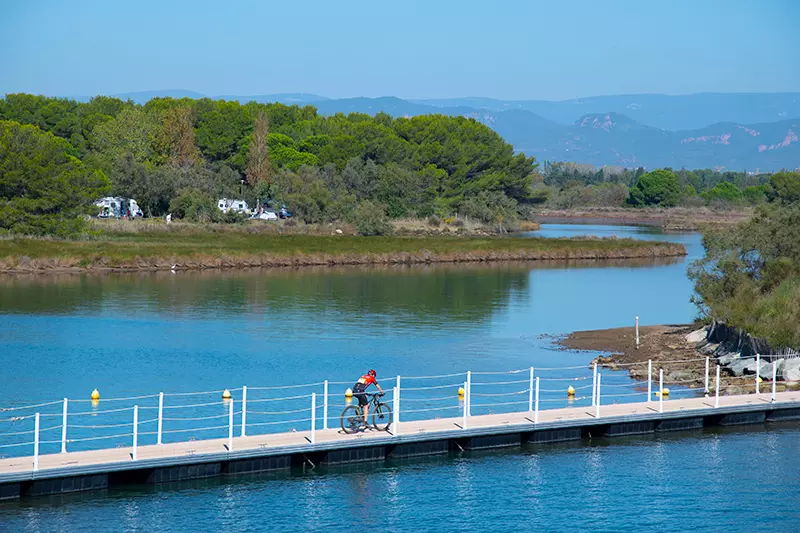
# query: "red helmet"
[[372, 373]]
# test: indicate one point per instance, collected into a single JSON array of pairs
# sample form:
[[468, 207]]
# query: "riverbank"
[[672, 219], [675, 348], [193, 248]]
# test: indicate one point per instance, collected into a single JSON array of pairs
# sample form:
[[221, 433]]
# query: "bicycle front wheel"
[[382, 417], [351, 419]]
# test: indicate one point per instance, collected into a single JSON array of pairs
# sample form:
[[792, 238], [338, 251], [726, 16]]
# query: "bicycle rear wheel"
[[351, 419], [382, 417]]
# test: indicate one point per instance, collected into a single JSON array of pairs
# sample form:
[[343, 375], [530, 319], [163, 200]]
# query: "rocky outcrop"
[[734, 340], [735, 351]]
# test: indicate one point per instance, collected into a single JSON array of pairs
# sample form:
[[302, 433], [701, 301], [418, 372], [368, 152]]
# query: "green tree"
[[723, 191], [370, 219], [656, 188], [784, 187], [43, 188]]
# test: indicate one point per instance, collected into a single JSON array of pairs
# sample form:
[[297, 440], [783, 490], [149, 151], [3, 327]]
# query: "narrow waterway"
[[137, 334]]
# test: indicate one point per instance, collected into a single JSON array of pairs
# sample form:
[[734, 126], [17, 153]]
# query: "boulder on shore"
[[789, 370]]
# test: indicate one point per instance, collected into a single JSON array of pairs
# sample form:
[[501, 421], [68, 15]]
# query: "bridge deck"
[[195, 452]]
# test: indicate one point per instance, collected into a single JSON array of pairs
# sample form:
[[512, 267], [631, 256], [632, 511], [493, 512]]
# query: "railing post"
[[244, 409], [395, 412], [637, 332], [230, 425], [594, 383], [397, 400], [706, 383], [597, 400], [160, 417], [774, 379], [469, 393], [716, 400], [530, 391], [464, 415], [758, 372], [313, 417], [649, 380], [135, 431], [36, 443], [325, 404], [536, 407], [64, 428], [660, 390]]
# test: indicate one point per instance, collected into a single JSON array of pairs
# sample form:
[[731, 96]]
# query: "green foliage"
[[656, 188], [415, 166], [755, 194], [750, 274], [784, 187], [370, 219], [196, 206], [724, 191], [492, 207], [44, 189]]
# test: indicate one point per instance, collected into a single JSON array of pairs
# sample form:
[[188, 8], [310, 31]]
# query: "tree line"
[[750, 274], [563, 185], [182, 154]]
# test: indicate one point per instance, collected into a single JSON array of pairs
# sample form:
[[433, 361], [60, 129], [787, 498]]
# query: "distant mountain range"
[[726, 131]]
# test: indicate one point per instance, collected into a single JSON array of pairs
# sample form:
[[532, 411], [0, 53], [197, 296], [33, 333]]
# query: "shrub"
[[370, 219], [434, 221], [196, 206]]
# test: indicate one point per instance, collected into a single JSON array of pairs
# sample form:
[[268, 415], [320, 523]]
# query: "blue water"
[[713, 481], [130, 335]]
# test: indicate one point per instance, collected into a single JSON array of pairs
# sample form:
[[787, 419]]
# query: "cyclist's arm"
[[379, 387]]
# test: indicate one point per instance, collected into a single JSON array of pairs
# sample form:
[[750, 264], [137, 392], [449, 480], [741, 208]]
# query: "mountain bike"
[[353, 416]]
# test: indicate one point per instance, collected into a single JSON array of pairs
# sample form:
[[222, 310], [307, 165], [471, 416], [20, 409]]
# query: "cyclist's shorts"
[[361, 397]]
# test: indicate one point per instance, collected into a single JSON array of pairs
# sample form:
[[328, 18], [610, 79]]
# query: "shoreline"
[[198, 262], [667, 346], [669, 219]]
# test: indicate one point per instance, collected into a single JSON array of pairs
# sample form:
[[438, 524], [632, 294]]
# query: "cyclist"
[[360, 388]]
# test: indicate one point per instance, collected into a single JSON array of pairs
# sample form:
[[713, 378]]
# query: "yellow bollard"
[[571, 391], [226, 394], [95, 394], [348, 393], [461, 391], [665, 392]]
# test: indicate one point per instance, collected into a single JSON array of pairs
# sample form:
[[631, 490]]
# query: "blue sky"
[[551, 50]]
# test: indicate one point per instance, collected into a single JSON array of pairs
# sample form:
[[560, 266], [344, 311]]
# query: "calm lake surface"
[[129, 335]]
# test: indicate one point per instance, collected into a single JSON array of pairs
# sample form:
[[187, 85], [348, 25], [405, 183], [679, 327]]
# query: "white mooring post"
[[313, 417], [36, 443], [774, 378], [325, 404], [594, 383], [530, 391], [536, 407], [230, 425], [135, 430], [706, 383], [64, 428], [637, 332], [464, 415], [395, 412], [660, 390], [597, 399], [160, 416], [244, 409], [649, 380], [397, 399], [758, 372], [468, 390], [716, 399]]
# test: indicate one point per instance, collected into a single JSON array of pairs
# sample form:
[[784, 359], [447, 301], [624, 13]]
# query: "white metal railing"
[[175, 417]]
